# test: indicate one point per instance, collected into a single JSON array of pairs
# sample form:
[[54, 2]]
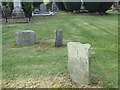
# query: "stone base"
[[18, 13]]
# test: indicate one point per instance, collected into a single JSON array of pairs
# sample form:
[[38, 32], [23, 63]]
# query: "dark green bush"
[[27, 7], [104, 6], [6, 12], [37, 4], [97, 6], [4, 3], [49, 5], [10, 5], [92, 6], [60, 5], [71, 6]]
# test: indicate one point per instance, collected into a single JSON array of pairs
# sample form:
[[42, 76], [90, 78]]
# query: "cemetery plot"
[[43, 65]]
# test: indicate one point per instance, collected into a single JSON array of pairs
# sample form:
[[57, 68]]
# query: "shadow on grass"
[[48, 43]]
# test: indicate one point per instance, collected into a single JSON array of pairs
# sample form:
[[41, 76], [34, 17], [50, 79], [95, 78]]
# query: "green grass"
[[43, 59]]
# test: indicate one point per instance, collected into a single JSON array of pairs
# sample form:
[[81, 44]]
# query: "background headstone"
[[17, 11], [43, 8], [58, 38], [25, 37], [78, 62], [17, 3], [54, 7]]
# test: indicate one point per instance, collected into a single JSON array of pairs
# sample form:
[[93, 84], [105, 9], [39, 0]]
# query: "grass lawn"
[[43, 63]]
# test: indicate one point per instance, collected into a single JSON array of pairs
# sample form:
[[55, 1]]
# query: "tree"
[[6, 12], [60, 4], [71, 6], [36, 4], [27, 7], [100, 7]]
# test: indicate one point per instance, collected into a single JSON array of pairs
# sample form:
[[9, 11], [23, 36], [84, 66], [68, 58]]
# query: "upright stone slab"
[[25, 37], [17, 3], [58, 38], [43, 8], [54, 7], [17, 12], [78, 62]]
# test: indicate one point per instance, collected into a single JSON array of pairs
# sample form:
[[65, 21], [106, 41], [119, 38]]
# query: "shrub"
[[10, 4], [27, 7], [49, 5], [92, 6], [6, 12], [36, 4], [97, 6], [104, 6], [60, 5], [4, 3], [71, 6]]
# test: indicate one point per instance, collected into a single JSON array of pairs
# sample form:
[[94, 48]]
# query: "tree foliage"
[[71, 6], [36, 4], [27, 7], [97, 6]]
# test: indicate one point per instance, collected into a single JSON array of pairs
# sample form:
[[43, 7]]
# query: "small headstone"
[[54, 7], [58, 38], [43, 8], [78, 62], [25, 37]]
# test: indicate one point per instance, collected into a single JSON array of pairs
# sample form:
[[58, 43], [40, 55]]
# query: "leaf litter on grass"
[[63, 81]]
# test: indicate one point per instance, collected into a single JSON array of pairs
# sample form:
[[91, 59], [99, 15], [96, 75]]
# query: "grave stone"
[[54, 7], [78, 62], [17, 3], [58, 38], [43, 8], [25, 37], [82, 9], [17, 11]]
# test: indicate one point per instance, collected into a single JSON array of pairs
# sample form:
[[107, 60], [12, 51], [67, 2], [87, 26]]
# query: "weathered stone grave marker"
[[58, 38], [54, 7], [25, 37], [43, 8], [17, 11], [78, 62]]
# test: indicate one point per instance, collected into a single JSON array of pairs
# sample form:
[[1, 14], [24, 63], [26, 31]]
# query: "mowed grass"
[[44, 60]]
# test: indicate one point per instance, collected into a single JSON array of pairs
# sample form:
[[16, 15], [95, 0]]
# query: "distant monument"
[[54, 7], [17, 11], [43, 8]]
